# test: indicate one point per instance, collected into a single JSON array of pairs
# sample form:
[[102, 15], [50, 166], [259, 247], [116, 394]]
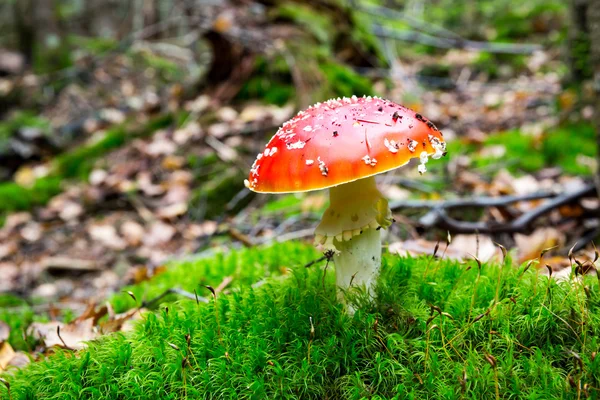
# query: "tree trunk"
[[25, 25], [579, 42], [593, 19]]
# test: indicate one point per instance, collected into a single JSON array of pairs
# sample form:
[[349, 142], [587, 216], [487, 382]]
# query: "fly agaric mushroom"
[[341, 145]]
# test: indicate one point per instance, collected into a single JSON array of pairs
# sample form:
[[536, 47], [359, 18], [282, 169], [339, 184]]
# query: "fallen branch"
[[438, 216], [453, 43]]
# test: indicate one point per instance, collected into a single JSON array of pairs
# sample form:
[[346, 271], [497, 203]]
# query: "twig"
[[453, 43], [471, 202], [224, 283], [439, 218], [388, 13], [177, 291], [237, 235], [313, 262]]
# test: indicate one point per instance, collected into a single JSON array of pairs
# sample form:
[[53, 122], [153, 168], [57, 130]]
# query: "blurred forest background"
[[127, 128]]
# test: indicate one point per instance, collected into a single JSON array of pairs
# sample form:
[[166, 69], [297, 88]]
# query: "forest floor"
[[150, 180]]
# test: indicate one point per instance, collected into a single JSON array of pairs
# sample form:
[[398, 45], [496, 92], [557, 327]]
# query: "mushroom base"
[[358, 262]]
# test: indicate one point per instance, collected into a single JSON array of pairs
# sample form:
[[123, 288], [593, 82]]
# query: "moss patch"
[[437, 330], [568, 147], [76, 163]]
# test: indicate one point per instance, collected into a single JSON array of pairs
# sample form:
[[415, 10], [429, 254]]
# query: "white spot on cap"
[[391, 145], [273, 151], [369, 161], [247, 183], [296, 145], [322, 167], [412, 145], [438, 146], [422, 169], [307, 128], [310, 162]]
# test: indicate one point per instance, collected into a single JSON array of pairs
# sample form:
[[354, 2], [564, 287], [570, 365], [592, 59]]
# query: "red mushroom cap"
[[340, 141]]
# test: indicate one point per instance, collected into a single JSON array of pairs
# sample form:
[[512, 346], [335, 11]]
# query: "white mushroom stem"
[[350, 228], [358, 262]]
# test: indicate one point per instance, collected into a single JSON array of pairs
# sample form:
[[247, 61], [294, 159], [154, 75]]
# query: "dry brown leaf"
[[530, 246], [92, 312], [107, 235], [205, 228], [19, 360], [6, 355], [159, 233], [70, 210], [145, 184], [172, 162], [73, 335], [25, 176], [32, 231], [4, 331], [172, 211], [132, 232], [16, 219], [9, 273], [7, 249], [122, 322]]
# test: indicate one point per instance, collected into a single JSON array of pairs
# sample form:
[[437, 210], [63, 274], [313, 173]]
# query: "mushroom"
[[342, 144]]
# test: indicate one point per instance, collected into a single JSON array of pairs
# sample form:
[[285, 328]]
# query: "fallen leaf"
[[530, 246], [97, 177], [172, 162], [159, 233], [73, 335], [7, 249], [122, 322], [70, 210], [31, 232], [108, 236], [132, 232], [6, 355], [172, 211], [4, 331], [93, 312], [24, 177], [19, 360]]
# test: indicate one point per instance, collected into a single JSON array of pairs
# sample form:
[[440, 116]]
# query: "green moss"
[[18, 198], [341, 80], [319, 24], [564, 146], [506, 332], [244, 266], [74, 164], [271, 81], [20, 120], [567, 147], [18, 314], [95, 45]]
